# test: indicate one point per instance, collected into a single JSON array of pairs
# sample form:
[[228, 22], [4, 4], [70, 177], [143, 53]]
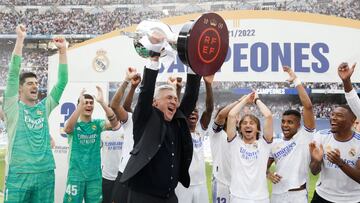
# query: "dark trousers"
[[107, 188], [120, 191], [137, 197], [317, 199]]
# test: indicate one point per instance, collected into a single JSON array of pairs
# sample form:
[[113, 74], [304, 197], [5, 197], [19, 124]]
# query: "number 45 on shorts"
[[72, 190]]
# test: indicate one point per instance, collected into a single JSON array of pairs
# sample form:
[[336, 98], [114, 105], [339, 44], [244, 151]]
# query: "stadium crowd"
[[322, 106], [76, 21], [35, 60], [79, 21], [100, 21], [81, 125]]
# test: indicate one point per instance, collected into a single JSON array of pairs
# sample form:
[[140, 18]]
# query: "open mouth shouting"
[[88, 110], [286, 131], [171, 109], [193, 118], [248, 131], [34, 93]]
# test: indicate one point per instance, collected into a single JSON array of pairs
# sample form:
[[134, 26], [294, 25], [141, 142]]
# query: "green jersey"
[[84, 156], [29, 149]]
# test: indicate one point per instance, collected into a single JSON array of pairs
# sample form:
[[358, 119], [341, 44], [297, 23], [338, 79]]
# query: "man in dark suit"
[[162, 142]]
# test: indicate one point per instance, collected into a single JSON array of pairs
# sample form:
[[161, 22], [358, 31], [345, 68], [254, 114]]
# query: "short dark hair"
[[347, 107], [25, 75], [292, 112], [86, 96]]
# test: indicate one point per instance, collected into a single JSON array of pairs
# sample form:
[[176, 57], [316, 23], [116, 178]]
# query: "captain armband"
[[217, 128], [112, 117]]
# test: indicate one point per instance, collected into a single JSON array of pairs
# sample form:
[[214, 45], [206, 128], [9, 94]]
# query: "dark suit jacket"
[[149, 131]]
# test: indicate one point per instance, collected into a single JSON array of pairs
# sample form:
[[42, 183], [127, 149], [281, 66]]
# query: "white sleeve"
[[353, 101], [317, 138], [153, 65], [307, 134]]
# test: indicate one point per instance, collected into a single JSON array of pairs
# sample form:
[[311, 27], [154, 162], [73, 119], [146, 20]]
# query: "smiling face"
[[341, 120], [289, 126], [249, 128], [166, 101], [193, 118], [28, 90], [88, 106]]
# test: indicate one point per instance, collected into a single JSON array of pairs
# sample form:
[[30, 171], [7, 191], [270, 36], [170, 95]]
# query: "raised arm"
[[12, 84], [268, 123], [309, 119], [20, 37], [60, 85], [60, 43], [191, 94], [209, 102], [223, 114], [345, 73], [71, 122], [231, 119], [176, 82], [119, 110], [130, 95], [113, 122], [143, 107]]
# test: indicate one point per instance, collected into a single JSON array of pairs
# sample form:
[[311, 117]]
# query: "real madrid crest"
[[352, 152], [39, 112], [101, 61]]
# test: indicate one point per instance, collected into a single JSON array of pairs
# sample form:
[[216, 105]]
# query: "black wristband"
[[153, 53]]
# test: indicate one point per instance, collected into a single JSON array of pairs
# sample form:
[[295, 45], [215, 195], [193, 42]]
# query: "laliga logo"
[[101, 61]]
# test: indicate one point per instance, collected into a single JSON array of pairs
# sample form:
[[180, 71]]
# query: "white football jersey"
[[354, 102], [112, 143], [248, 169], [292, 158], [220, 153], [197, 167], [333, 184], [128, 142]]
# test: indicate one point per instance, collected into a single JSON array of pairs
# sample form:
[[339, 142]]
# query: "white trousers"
[[290, 197], [193, 194], [220, 191]]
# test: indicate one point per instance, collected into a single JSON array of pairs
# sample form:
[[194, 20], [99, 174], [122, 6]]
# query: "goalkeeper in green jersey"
[[84, 180], [30, 162]]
